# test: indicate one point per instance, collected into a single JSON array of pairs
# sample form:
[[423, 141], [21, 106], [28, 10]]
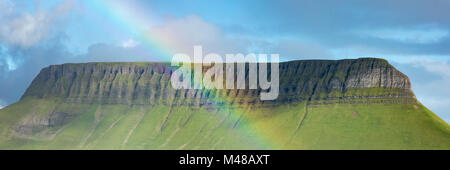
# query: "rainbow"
[[135, 21]]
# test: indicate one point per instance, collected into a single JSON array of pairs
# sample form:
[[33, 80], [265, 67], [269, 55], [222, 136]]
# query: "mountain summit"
[[322, 104], [149, 83]]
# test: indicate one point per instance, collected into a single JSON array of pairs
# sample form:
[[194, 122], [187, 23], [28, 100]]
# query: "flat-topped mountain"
[[322, 104], [149, 83]]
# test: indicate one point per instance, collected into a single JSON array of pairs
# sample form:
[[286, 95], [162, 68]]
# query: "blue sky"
[[414, 35]]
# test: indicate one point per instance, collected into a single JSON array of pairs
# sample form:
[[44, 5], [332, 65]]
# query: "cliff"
[[149, 83]]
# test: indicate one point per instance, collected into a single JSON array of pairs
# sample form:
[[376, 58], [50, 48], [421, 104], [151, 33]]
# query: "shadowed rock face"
[[149, 83]]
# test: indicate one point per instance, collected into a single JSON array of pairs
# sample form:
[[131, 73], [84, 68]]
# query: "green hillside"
[[326, 104]]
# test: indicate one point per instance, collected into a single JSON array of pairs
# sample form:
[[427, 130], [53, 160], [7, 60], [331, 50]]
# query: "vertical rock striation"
[[149, 83]]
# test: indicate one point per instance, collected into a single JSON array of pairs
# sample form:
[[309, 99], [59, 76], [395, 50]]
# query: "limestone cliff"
[[149, 83]]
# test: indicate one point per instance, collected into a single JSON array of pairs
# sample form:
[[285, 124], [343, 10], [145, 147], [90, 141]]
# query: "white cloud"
[[129, 43], [11, 64], [416, 36], [24, 28], [434, 66], [181, 34], [6, 61]]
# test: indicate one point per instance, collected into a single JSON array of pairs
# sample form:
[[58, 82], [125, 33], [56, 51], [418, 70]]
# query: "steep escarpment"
[[149, 83]]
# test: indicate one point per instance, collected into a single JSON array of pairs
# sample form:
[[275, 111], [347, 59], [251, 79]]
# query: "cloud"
[[28, 63], [25, 29], [29, 41], [6, 60], [420, 36], [182, 34], [333, 17], [435, 66], [130, 43], [394, 27]]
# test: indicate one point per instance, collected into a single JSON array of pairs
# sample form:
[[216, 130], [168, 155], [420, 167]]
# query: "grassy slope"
[[289, 126]]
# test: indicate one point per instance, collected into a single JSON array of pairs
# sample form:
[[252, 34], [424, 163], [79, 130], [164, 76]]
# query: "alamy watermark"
[[182, 77]]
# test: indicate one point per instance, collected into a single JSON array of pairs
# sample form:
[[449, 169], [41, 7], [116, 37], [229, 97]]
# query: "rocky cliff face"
[[149, 83]]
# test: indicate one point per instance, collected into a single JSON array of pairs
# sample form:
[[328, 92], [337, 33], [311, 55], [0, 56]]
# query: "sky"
[[413, 35]]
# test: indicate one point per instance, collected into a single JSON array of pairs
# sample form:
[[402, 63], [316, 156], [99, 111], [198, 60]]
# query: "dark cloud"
[[29, 41], [28, 62]]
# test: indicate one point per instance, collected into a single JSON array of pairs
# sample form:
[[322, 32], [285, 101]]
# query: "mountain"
[[322, 104]]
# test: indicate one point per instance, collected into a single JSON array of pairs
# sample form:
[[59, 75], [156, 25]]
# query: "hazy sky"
[[412, 34]]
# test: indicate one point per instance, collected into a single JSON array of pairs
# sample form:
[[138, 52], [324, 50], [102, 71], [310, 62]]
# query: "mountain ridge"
[[326, 104], [147, 83]]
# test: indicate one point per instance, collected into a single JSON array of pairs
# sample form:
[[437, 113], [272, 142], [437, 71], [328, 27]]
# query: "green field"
[[368, 125]]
